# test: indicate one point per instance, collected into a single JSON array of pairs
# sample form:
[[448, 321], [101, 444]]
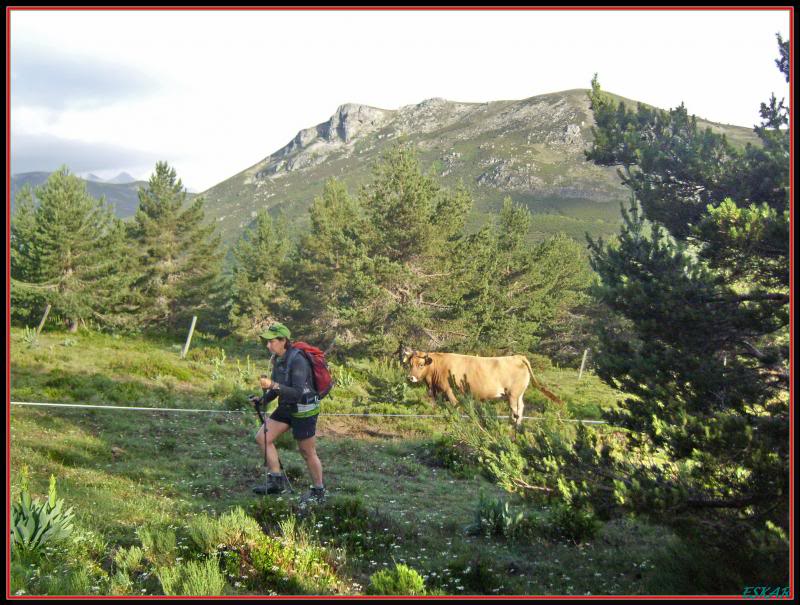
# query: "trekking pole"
[[266, 465], [255, 401]]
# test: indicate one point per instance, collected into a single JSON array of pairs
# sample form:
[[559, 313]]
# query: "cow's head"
[[419, 365]]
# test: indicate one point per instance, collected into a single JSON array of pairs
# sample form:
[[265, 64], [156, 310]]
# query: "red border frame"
[[790, 9]]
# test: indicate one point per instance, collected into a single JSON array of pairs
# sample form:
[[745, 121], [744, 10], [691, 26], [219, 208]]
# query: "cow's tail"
[[547, 393]]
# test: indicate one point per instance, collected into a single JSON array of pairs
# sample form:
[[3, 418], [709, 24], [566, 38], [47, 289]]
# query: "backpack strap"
[[293, 353]]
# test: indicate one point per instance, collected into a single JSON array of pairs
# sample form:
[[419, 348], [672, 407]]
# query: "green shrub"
[[386, 382], [540, 363], [446, 452], [295, 563], [73, 582], [224, 389], [218, 363], [159, 544], [127, 392], [402, 580], [234, 529], [475, 575], [152, 367], [494, 517], [197, 578], [239, 528], [238, 399], [205, 354], [61, 383], [691, 566], [575, 523], [68, 567], [129, 559], [206, 534], [30, 337], [269, 512], [347, 523], [246, 374], [121, 584], [343, 376], [231, 563], [35, 523]]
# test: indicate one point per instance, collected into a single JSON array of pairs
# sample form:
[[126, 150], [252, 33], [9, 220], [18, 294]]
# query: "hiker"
[[298, 408]]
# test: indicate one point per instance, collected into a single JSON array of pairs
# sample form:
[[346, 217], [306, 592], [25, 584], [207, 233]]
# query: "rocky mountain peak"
[[351, 119], [312, 145]]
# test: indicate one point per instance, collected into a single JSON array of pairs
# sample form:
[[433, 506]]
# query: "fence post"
[[44, 318], [189, 338], [583, 363]]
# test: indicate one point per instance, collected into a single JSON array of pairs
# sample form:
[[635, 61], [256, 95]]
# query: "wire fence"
[[209, 411]]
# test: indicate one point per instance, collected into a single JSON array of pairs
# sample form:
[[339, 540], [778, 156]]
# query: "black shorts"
[[302, 428]]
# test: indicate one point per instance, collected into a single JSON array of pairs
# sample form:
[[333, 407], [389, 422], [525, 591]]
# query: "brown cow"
[[485, 377]]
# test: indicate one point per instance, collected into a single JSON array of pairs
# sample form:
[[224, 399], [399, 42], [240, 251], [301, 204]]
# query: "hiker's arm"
[[269, 395], [269, 392]]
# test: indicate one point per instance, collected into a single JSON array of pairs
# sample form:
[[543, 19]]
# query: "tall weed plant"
[[35, 523]]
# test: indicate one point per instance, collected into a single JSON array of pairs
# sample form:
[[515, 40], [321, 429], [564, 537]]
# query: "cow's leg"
[[432, 391], [517, 405], [520, 410], [451, 396]]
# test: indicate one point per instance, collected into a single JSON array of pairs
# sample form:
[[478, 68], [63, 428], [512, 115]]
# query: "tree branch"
[[520, 483], [782, 298], [734, 503]]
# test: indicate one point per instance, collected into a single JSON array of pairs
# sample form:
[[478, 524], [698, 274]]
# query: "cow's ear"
[[428, 360]]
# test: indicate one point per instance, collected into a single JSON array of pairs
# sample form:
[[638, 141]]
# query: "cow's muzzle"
[[413, 379]]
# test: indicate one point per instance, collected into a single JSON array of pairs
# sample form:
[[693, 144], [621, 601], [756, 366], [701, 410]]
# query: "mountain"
[[530, 150], [94, 178], [124, 197], [123, 178]]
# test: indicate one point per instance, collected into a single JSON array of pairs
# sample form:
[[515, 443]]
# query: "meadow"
[[163, 501]]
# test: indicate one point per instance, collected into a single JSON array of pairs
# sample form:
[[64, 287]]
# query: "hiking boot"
[[276, 484], [316, 495]]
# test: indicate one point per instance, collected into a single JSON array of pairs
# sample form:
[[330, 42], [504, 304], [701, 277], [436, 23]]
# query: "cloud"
[[42, 152], [60, 81]]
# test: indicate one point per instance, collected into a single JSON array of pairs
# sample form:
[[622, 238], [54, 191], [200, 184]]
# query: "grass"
[[390, 501]]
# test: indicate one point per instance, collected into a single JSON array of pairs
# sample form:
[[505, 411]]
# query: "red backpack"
[[323, 382]]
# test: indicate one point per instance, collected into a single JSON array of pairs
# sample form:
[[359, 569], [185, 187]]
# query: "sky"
[[214, 92]]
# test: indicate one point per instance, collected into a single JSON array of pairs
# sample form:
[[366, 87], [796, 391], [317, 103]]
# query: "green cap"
[[276, 330]]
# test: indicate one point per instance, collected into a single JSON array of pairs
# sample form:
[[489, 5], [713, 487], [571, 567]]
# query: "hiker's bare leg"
[[274, 430], [308, 449]]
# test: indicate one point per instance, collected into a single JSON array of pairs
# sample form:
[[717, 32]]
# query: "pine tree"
[[71, 252], [393, 264], [180, 257], [700, 337], [415, 227], [330, 272], [509, 291], [258, 292], [25, 303]]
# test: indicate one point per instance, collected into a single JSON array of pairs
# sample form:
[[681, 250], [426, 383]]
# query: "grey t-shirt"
[[292, 372]]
